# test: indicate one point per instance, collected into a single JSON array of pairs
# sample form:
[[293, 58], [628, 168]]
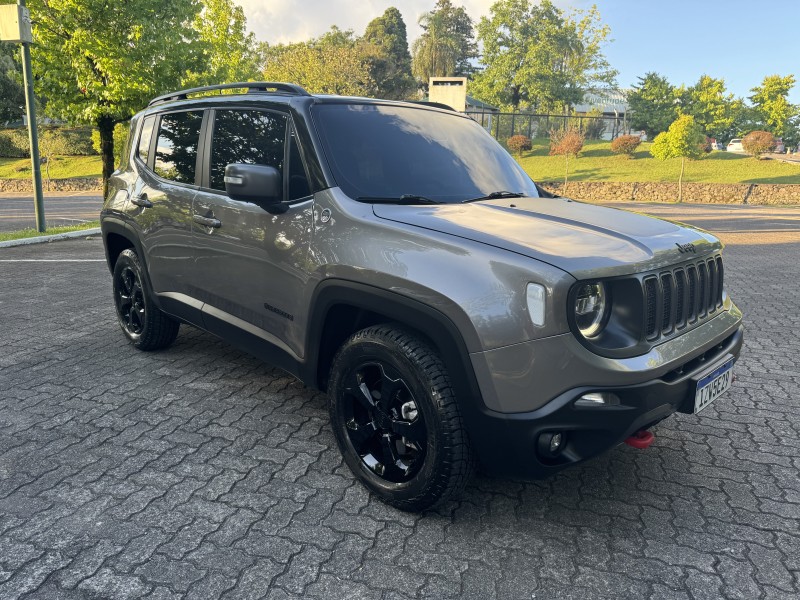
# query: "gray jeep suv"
[[395, 256]]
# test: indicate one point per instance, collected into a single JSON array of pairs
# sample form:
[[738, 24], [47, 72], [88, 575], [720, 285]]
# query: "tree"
[[684, 139], [230, 53], [712, 109], [770, 100], [336, 63], [758, 142], [392, 71], [652, 104], [12, 94], [447, 44], [100, 63], [536, 55], [567, 142]]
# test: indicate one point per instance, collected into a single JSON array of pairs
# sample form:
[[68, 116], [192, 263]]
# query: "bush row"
[[69, 142]]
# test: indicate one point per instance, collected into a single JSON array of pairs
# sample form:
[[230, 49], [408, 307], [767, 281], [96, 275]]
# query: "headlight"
[[590, 308], [536, 299]]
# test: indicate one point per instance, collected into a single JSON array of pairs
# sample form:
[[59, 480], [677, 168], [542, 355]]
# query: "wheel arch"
[[342, 307]]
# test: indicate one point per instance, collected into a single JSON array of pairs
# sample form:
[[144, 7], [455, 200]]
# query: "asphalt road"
[[69, 208], [198, 472]]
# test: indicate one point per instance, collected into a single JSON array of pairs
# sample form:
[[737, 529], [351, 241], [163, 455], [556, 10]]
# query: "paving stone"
[[198, 472]]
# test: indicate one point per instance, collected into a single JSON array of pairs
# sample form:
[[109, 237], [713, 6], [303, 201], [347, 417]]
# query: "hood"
[[585, 240]]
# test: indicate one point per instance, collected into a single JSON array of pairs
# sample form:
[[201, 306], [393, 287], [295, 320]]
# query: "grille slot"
[[691, 273], [667, 322], [680, 300], [651, 303], [681, 296], [702, 288]]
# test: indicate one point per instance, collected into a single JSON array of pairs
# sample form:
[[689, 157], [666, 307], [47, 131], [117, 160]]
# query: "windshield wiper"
[[494, 196], [404, 199]]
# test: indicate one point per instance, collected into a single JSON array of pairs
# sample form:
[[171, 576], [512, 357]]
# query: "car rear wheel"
[[396, 418], [140, 319]]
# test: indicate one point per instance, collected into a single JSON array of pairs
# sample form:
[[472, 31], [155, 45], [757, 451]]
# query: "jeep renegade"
[[395, 256]]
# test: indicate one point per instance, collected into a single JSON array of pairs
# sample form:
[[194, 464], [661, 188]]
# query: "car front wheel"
[[396, 418]]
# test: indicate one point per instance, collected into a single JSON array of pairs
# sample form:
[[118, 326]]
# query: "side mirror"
[[258, 184]]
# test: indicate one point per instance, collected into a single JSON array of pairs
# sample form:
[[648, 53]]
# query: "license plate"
[[713, 385]]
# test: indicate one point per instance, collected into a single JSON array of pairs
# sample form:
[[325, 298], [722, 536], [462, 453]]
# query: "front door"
[[250, 263]]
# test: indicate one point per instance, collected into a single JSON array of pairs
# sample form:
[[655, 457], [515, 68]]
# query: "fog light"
[[551, 444], [597, 399]]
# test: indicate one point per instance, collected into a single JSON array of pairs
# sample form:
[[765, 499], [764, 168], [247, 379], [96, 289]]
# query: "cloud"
[[283, 21]]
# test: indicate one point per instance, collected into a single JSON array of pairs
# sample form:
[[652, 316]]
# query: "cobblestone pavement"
[[199, 472]]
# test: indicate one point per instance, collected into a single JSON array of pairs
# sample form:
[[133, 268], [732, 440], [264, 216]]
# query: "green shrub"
[[626, 144], [758, 142], [519, 143], [14, 143], [120, 139]]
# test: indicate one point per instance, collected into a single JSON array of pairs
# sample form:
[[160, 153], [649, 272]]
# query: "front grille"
[[682, 296]]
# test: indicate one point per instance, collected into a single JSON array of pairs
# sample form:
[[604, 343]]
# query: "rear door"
[[167, 160], [250, 263]]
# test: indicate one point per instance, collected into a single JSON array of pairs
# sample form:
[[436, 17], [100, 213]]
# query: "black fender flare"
[[451, 342]]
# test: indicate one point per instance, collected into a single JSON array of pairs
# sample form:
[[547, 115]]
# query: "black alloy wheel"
[[131, 306], [141, 320], [384, 423]]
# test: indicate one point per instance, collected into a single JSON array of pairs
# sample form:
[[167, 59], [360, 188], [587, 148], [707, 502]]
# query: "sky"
[[740, 41]]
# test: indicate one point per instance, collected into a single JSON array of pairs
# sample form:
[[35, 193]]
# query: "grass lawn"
[[598, 163], [29, 233], [63, 167]]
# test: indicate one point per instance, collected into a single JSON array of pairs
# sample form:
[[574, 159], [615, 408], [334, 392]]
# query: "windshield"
[[392, 151]]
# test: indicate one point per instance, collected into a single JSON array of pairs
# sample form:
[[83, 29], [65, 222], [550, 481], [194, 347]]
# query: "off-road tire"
[[140, 319], [447, 461]]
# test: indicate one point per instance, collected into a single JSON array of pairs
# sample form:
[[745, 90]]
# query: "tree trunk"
[[106, 127], [680, 180]]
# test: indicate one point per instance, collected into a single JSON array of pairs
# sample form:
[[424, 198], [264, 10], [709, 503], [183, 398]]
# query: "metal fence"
[[503, 125]]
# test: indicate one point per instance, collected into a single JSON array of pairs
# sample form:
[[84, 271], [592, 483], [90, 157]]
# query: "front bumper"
[[507, 442]]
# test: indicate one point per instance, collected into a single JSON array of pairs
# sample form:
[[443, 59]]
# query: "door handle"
[[207, 221], [141, 200]]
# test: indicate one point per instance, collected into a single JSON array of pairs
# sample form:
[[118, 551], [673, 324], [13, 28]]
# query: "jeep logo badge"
[[686, 248]]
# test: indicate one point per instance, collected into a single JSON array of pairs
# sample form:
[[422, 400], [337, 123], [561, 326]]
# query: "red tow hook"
[[641, 439]]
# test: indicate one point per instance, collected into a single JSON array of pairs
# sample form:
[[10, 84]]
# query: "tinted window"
[[176, 149], [145, 137], [246, 136], [389, 151]]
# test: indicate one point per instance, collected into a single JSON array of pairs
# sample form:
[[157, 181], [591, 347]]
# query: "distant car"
[[717, 146], [735, 145], [780, 147]]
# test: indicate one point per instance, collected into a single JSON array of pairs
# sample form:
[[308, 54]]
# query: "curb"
[[50, 238]]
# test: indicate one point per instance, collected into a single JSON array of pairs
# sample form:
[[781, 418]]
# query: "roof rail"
[[251, 86]]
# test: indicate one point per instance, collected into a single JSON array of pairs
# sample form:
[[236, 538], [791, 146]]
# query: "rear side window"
[[145, 138], [176, 148], [249, 137]]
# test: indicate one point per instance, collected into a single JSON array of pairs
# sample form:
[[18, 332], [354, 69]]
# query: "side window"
[[246, 136], [145, 138], [176, 148], [298, 182]]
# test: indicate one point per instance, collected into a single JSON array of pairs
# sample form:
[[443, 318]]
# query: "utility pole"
[[15, 26], [33, 132]]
